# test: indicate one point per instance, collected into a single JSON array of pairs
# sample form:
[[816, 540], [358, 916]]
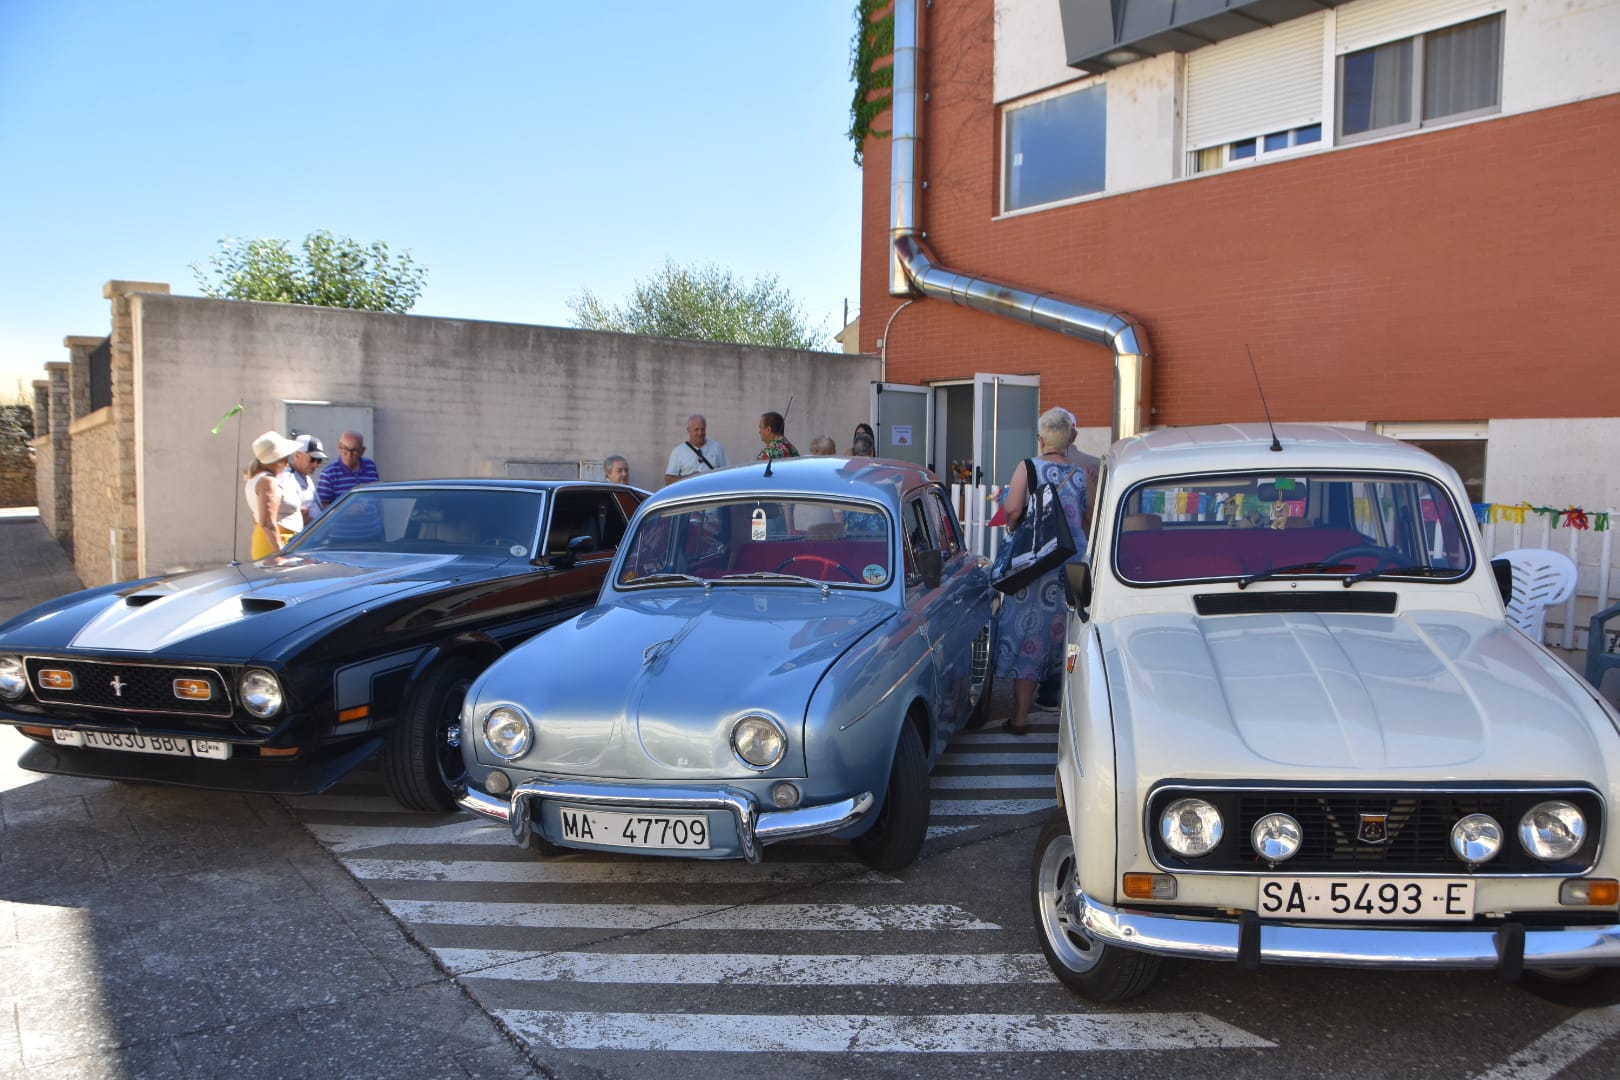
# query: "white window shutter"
[[1373, 22], [1255, 84]]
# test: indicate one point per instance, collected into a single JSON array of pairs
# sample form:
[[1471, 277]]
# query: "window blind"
[[1373, 22], [1265, 81]]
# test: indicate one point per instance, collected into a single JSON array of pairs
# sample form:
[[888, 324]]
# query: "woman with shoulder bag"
[[1033, 619]]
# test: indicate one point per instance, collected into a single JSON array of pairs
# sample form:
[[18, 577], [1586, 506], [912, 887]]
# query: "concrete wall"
[[452, 397]]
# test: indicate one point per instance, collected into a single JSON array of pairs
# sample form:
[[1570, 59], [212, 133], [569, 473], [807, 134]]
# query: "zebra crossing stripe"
[[688, 916], [967, 1033], [911, 969], [998, 759], [457, 830], [1559, 1048], [936, 831], [991, 780], [987, 807], [619, 872]]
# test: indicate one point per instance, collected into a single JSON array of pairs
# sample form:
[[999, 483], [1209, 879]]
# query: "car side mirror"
[[1077, 585], [577, 546], [931, 565], [1504, 578]]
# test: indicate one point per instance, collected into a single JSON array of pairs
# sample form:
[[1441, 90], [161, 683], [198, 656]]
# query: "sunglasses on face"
[[350, 449]]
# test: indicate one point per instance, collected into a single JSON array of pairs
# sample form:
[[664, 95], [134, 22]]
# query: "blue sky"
[[522, 152]]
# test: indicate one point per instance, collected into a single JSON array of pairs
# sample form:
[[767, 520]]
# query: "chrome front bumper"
[[1510, 948], [755, 828]]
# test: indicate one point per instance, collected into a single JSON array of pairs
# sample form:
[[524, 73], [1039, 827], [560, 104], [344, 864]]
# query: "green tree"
[[707, 303], [331, 271]]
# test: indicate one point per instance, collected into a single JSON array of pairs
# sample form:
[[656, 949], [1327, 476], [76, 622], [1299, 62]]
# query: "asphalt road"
[[160, 932]]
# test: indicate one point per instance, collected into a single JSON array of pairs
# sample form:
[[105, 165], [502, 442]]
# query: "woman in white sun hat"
[[276, 516]]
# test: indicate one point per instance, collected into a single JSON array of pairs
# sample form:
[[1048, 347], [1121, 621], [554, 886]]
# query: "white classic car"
[[1298, 729]]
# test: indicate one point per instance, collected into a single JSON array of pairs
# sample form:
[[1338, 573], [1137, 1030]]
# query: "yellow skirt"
[[261, 542]]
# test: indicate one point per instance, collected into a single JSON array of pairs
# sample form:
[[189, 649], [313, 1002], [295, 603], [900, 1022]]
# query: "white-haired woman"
[[273, 504], [1032, 621]]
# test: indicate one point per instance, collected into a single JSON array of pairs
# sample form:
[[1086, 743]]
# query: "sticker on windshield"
[[875, 574], [758, 524]]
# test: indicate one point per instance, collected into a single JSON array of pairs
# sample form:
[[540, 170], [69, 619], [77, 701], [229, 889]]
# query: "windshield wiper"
[[1297, 568], [1403, 571], [771, 575], [666, 579]]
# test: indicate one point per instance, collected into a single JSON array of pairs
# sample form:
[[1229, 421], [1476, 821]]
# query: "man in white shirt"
[[698, 454], [305, 461]]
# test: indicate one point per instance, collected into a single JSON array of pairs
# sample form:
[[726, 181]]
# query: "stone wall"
[[153, 490], [53, 451], [17, 455]]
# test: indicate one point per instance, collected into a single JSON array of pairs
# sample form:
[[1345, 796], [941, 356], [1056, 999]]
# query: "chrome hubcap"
[[1072, 946]]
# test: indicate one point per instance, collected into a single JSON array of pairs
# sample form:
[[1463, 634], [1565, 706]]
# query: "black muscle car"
[[281, 675]]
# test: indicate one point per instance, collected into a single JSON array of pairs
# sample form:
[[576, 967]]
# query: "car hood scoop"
[[163, 614], [1337, 694], [655, 685]]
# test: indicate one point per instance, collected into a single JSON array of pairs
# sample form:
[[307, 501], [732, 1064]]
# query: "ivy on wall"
[[874, 41]]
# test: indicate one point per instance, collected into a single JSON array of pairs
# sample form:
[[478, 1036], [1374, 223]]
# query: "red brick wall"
[[1466, 273]]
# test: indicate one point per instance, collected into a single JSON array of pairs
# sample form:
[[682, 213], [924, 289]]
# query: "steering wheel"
[[1381, 556], [823, 561]]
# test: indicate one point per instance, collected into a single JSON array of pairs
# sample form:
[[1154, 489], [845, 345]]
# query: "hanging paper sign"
[[757, 530], [901, 434]]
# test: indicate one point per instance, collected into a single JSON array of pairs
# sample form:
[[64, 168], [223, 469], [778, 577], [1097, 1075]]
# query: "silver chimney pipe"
[[913, 271]]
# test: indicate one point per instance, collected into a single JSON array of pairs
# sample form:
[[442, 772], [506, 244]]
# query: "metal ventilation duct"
[[913, 270]]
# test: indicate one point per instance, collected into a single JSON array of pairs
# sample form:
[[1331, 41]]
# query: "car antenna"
[[1275, 445], [784, 432]]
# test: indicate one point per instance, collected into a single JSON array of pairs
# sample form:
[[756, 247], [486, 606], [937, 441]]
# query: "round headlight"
[[507, 732], [261, 693], [13, 682], [1276, 837], [758, 741], [1191, 827], [1476, 838], [1552, 830]]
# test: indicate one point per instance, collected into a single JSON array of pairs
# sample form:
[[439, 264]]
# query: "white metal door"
[[900, 418], [1005, 409]]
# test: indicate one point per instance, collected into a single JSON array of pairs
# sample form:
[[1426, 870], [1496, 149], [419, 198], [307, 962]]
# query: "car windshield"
[[492, 522], [1253, 527], [747, 540]]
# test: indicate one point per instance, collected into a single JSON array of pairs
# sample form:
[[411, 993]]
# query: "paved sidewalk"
[[160, 932]]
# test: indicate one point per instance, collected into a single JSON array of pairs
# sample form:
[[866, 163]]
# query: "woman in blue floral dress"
[[1033, 620]]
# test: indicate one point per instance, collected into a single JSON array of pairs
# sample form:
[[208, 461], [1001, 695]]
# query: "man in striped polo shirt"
[[351, 469]]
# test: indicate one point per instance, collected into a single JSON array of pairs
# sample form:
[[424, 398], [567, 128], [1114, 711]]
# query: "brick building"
[[1407, 210]]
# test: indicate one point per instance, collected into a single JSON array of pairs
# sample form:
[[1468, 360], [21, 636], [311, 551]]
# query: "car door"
[[930, 612], [582, 534]]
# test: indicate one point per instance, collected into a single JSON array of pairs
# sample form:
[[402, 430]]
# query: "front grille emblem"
[[1374, 829], [117, 685]]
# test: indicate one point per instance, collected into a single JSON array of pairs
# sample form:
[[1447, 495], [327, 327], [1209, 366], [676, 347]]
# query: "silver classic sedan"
[[778, 652]]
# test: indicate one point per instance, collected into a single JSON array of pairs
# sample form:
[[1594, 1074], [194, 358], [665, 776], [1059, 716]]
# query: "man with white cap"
[[305, 461], [272, 502]]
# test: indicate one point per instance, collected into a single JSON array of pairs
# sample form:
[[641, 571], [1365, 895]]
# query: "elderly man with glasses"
[[351, 469]]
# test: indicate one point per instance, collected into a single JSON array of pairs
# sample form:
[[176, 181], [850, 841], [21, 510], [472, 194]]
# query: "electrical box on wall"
[[327, 420]]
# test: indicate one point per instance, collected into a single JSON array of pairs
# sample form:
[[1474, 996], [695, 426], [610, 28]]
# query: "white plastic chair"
[[1541, 578]]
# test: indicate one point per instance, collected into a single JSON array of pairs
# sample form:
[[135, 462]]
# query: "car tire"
[[421, 765], [1580, 988], [1091, 969], [980, 712], [896, 838]]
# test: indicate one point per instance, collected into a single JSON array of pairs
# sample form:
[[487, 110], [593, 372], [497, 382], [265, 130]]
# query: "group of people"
[[282, 491], [701, 454]]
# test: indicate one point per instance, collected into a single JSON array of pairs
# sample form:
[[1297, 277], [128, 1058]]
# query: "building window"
[[1443, 75], [1056, 148], [1259, 148]]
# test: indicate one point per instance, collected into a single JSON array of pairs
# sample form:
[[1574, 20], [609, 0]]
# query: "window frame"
[[1416, 121], [1008, 109]]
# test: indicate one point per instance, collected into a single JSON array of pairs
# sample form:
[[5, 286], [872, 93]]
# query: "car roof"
[[1247, 448], [494, 483], [878, 479]]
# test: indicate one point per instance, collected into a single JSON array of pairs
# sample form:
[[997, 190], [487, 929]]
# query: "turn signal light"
[[1150, 886], [1589, 892], [358, 713], [56, 679], [193, 689], [278, 751]]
